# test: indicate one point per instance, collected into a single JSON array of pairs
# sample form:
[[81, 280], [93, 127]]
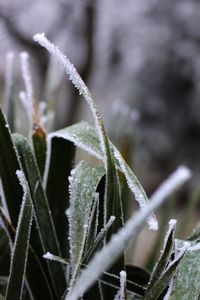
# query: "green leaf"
[[4, 253], [59, 165], [165, 256], [37, 279], [98, 242], [164, 279], [83, 183], [20, 248], [9, 164], [85, 136], [186, 283], [42, 214]]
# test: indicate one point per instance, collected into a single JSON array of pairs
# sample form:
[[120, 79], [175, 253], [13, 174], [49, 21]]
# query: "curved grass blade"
[[83, 183], [165, 256], [9, 164], [58, 168], [165, 278], [98, 242], [42, 212], [20, 248], [85, 136]]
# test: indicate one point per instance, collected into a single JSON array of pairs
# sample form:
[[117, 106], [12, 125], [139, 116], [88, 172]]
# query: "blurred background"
[[140, 59]]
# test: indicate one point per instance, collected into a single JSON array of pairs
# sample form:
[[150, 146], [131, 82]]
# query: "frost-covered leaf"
[[85, 136], [36, 128], [165, 279], [42, 213], [9, 164], [165, 255], [98, 242], [58, 167], [187, 280], [20, 248], [83, 183]]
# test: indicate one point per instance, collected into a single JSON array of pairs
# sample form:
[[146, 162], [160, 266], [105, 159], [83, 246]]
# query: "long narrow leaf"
[[165, 255], [20, 249], [9, 164], [83, 183], [42, 214]]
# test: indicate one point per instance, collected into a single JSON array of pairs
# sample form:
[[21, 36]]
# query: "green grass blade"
[[58, 167], [83, 183], [9, 164], [42, 214], [164, 280], [165, 255], [98, 242], [20, 248], [85, 136]]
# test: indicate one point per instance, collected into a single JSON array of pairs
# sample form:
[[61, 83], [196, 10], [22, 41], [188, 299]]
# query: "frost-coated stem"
[[108, 255], [26, 74], [77, 81]]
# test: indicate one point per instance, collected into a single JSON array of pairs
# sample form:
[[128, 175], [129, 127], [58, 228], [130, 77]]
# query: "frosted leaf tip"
[[153, 225], [38, 36]]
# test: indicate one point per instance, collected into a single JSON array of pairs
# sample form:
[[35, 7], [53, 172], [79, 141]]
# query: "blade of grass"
[[20, 249], [165, 256], [9, 164], [83, 183]]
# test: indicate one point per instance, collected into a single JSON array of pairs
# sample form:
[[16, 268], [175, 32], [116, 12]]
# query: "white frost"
[[122, 291], [53, 257]]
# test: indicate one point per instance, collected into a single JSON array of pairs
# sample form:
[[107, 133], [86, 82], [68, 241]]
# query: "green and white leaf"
[[9, 164], [20, 248], [83, 183]]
